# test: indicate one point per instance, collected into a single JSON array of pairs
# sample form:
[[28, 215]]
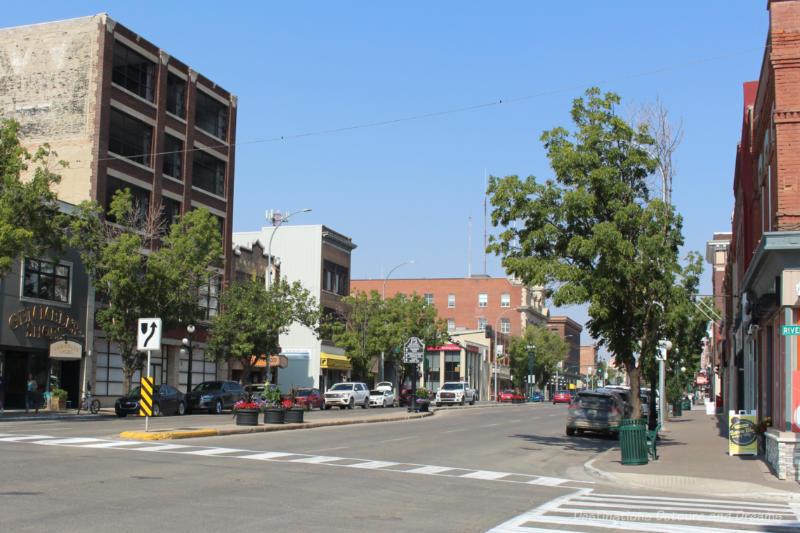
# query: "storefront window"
[[452, 366], [434, 367]]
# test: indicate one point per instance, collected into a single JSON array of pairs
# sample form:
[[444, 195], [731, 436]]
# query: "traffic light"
[[600, 371], [488, 330]]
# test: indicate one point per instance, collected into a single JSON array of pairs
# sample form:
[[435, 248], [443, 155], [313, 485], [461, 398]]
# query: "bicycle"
[[89, 403]]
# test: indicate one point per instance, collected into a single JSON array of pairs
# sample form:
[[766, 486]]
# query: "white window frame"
[[505, 299], [451, 324], [483, 299], [505, 325], [451, 300]]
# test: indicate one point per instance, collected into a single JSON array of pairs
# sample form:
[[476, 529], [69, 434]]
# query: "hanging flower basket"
[[247, 417], [294, 415], [274, 415]]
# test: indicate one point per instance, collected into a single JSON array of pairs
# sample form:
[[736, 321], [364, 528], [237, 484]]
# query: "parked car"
[[309, 397], [381, 398], [405, 394], [537, 397], [454, 392], [385, 385], [214, 396], [562, 396], [166, 400], [347, 395], [597, 411], [510, 396], [627, 401], [258, 390]]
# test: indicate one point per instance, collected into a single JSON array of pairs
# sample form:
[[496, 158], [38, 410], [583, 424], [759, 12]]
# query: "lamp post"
[[187, 349], [383, 298], [281, 220], [531, 348]]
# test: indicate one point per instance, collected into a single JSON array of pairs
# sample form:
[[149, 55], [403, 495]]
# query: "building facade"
[[124, 114], [717, 371], [318, 258], [762, 280]]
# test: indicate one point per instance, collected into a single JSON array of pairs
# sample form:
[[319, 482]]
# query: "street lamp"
[[383, 298], [187, 350], [531, 348], [274, 229]]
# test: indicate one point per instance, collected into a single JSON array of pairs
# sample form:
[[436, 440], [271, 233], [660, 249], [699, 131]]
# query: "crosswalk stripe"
[[212, 451], [18, 438], [265, 455], [544, 480], [66, 442], [373, 464], [315, 459], [160, 448], [486, 474], [429, 470]]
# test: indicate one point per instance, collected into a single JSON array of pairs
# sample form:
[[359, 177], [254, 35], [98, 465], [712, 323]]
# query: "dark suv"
[[214, 396], [598, 411]]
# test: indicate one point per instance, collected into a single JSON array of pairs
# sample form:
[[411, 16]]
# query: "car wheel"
[[181, 408], [463, 401], [352, 403], [366, 403], [473, 401], [570, 431], [325, 406], [218, 407], [156, 409]]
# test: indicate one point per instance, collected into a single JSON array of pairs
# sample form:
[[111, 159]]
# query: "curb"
[[238, 430]]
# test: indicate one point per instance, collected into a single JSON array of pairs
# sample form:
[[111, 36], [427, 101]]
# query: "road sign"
[[146, 401], [148, 334], [413, 350], [790, 330]]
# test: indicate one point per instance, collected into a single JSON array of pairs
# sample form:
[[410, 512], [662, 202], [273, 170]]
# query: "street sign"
[[790, 330], [146, 397], [148, 335], [413, 350]]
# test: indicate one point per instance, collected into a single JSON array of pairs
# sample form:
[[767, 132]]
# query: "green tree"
[[141, 267], [549, 350], [30, 222], [593, 234], [252, 320]]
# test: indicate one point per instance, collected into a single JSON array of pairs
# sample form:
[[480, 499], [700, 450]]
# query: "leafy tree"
[[593, 234], [550, 349], [141, 268], [30, 222], [253, 318]]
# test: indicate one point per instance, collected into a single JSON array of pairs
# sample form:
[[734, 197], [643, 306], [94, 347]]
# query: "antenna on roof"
[[469, 248]]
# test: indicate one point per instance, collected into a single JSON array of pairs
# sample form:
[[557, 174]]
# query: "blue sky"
[[406, 190]]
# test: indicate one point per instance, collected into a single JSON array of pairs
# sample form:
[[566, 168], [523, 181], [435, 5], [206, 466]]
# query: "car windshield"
[[208, 386], [508, 392], [452, 386], [594, 402], [303, 392], [376, 393], [342, 386], [134, 392]]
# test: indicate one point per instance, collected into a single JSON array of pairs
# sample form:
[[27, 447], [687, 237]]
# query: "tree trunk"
[[127, 374], [652, 419], [633, 374]]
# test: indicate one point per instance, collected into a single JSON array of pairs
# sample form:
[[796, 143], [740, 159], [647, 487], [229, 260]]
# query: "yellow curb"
[[163, 435]]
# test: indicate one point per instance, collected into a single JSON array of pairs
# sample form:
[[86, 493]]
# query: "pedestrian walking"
[[31, 394]]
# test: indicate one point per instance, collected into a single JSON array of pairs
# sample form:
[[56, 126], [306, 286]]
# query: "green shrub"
[[58, 393]]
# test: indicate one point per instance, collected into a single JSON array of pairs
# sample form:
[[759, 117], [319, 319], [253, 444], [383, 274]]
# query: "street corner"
[[167, 435]]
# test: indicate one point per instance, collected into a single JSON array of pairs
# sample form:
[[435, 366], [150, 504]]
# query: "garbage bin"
[[686, 405], [676, 409], [633, 441]]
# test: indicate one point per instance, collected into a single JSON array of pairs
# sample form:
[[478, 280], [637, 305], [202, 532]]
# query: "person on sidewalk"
[[32, 394]]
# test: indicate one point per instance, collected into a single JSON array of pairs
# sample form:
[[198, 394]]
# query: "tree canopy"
[[593, 234], [548, 350], [30, 222], [253, 318]]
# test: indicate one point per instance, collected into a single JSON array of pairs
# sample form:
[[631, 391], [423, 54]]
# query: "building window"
[[176, 95], [483, 299], [335, 278], [171, 210], [133, 71], [208, 298], [141, 197], [433, 367], [173, 157], [451, 300], [211, 115], [46, 280], [208, 173], [505, 300], [505, 325], [482, 323], [452, 366], [451, 324], [429, 298], [130, 137]]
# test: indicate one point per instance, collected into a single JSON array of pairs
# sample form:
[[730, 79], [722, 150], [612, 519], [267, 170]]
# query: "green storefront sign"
[[790, 330]]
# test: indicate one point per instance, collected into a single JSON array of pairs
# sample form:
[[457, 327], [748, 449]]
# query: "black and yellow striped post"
[[146, 401]]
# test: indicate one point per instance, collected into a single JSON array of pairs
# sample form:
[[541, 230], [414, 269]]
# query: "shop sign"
[[741, 433], [43, 322], [65, 350]]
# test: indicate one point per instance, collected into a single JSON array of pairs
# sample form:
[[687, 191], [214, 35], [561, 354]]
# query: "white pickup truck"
[[455, 392]]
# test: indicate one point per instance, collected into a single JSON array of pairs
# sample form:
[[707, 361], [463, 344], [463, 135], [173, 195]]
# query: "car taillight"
[[614, 411]]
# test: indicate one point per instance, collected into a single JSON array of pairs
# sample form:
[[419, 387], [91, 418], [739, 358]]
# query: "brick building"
[[717, 251], [762, 277], [124, 113]]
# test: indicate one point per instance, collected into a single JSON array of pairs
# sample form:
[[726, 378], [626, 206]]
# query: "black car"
[[214, 396], [597, 411], [166, 400]]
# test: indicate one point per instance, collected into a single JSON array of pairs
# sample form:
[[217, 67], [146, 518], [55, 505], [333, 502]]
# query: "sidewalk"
[[693, 458]]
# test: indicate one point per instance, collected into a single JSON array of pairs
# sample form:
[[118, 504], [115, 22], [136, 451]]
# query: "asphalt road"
[[461, 470]]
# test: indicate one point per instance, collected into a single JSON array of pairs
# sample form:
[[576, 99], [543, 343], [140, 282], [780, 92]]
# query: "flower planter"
[[274, 415], [294, 415], [247, 417]]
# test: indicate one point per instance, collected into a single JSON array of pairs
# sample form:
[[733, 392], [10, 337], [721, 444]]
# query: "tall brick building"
[[123, 113], [762, 275]]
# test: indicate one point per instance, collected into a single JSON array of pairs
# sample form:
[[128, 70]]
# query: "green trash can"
[[676, 409], [633, 441], [686, 405]]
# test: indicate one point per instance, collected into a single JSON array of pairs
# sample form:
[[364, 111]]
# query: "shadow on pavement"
[[584, 443]]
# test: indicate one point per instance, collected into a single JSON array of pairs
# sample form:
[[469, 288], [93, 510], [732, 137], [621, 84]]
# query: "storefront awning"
[[331, 361]]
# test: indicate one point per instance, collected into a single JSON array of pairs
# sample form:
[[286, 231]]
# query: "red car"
[[562, 396], [509, 396], [310, 397]]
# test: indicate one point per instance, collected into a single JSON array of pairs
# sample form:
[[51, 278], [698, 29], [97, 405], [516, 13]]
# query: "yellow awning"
[[334, 362]]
